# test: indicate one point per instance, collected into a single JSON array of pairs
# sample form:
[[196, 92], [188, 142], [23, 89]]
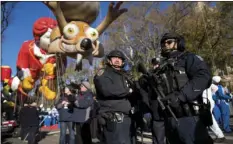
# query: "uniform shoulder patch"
[[200, 58], [100, 72]]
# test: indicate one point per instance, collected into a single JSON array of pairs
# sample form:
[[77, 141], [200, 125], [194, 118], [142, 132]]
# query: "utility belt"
[[184, 110], [190, 109], [109, 120], [117, 117], [194, 109]]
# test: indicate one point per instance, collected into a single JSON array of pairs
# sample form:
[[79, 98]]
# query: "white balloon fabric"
[[216, 79], [214, 88]]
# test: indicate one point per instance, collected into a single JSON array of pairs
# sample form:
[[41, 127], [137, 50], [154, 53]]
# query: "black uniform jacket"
[[112, 91], [199, 79]]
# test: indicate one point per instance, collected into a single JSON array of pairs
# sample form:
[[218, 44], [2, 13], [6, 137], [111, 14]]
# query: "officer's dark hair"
[[180, 40], [116, 53]]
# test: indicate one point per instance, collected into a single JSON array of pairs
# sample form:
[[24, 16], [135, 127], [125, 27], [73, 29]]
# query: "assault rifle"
[[155, 81]]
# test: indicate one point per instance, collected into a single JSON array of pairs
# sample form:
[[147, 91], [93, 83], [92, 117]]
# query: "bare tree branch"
[[6, 10]]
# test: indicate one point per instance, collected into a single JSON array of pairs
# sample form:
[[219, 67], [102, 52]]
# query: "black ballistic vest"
[[173, 78]]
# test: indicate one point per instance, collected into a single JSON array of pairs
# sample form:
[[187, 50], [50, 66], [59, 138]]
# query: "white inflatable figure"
[[207, 94]]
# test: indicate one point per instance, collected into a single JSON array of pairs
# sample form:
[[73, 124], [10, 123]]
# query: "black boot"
[[219, 140]]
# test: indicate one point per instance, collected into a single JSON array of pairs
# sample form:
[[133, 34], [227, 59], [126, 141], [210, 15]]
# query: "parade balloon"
[[5, 73], [74, 36], [69, 35]]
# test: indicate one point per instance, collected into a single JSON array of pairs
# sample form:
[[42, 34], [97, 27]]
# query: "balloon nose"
[[86, 44]]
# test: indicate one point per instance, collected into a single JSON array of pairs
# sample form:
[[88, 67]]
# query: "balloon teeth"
[[69, 48], [79, 58]]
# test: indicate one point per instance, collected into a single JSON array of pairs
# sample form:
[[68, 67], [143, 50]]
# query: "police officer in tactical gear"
[[188, 77], [158, 128], [112, 91]]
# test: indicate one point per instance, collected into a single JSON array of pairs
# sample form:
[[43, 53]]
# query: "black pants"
[[133, 130], [158, 132], [118, 134], [83, 133], [29, 134], [188, 130], [94, 128]]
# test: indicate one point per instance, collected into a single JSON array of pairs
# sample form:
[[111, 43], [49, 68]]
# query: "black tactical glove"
[[143, 81], [137, 85], [172, 99], [71, 98]]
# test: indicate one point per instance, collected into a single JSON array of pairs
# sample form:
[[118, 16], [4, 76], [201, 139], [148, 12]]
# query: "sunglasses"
[[169, 41]]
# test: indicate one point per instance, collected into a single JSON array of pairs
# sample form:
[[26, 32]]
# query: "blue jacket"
[[221, 94], [82, 106], [65, 115]]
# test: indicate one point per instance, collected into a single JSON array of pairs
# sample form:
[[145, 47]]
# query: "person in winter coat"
[[29, 121], [66, 117], [82, 107]]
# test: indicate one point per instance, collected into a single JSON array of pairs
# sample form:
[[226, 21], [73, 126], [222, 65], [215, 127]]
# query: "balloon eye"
[[70, 31], [92, 33]]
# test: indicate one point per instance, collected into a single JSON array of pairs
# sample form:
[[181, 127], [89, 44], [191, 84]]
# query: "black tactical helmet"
[[116, 53], [180, 40], [155, 61]]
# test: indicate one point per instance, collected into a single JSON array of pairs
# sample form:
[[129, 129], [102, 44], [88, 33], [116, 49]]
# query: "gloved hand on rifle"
[[137, 85], [71, 98], [172, 99], [143, 81]]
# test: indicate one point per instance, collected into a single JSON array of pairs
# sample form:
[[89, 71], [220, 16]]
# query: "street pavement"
[[52, 137]]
